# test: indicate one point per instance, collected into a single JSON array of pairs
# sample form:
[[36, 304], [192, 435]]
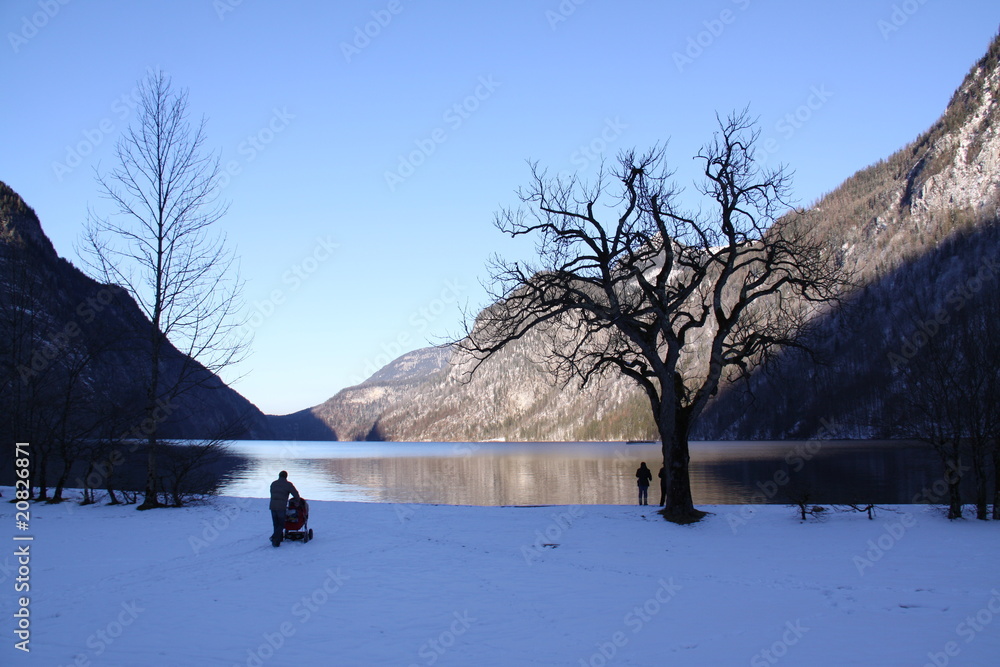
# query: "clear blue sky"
[[315, 117]]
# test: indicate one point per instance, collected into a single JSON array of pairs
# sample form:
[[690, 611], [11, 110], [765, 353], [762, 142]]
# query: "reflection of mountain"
[[581, 474], [473, 478]]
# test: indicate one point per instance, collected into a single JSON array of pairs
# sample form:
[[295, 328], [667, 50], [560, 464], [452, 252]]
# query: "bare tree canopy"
[[628, 282], [158, 243]]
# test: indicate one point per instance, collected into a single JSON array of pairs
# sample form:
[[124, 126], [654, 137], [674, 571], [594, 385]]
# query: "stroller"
[[297, 520]]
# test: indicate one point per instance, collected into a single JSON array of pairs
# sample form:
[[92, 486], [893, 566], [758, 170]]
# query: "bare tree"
[[678, 301], [42, 374], [26, 390], [950, 391], [158, 244], [186, 467]]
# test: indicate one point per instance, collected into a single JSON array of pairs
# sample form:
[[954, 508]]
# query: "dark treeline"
[[71, 381], [911, 355]]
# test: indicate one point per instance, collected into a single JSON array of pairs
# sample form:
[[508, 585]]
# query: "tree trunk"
[[61, 482], [151, 498], [979, 467], [87, 497], [676, 461], [951, 458], [996, 484], [954, 463], [43, 464], [954, 501]]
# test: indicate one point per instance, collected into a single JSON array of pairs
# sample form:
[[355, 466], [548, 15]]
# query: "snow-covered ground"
[[437, 585]]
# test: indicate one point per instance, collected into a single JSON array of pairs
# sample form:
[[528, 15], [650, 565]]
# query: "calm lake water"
[[583, 473]]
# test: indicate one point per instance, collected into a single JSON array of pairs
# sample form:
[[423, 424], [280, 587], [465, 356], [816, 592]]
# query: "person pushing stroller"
[[280, 489]]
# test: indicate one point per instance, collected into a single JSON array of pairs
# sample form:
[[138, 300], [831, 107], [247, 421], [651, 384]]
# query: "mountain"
[[921, 232], [354, 413], [73, 346], [917, 225]]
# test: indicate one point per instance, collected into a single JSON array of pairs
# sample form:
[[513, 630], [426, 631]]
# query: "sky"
[[368, 145]]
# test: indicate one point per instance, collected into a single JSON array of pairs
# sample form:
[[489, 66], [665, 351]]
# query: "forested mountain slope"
[[72, 358]]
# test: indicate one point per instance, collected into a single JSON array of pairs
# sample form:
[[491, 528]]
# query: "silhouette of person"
[[643, 476], [663, 486], [280, 488]]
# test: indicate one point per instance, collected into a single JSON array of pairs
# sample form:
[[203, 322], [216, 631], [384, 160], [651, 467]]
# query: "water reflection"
[[583, 473]]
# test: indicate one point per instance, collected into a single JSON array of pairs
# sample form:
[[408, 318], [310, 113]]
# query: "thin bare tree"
[[949, 389], [158, 243], [680, 302]]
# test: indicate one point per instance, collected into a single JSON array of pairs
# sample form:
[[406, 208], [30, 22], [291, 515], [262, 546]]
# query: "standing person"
[[663, 486], [643, 476], [280, 488]]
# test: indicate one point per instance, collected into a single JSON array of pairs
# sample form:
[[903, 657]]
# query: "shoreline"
[[423, 584]]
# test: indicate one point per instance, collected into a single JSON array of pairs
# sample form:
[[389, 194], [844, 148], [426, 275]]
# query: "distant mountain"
[[354, 413], [916, 225], [74, 346]]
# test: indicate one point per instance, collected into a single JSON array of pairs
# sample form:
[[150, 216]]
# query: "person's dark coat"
[[643, 475], [280, 490]]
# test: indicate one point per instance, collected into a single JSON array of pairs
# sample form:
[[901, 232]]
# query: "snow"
[[386, 584]]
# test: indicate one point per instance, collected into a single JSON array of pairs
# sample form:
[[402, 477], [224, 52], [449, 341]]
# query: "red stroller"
[[297, 520]]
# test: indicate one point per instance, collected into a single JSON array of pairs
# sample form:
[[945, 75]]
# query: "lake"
[[583, 473]]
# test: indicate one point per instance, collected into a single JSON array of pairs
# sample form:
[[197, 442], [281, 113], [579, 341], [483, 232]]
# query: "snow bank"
[[438, 585]]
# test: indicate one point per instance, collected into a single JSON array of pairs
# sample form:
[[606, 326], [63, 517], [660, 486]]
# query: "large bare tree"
[[158, 243], [627, 282]]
